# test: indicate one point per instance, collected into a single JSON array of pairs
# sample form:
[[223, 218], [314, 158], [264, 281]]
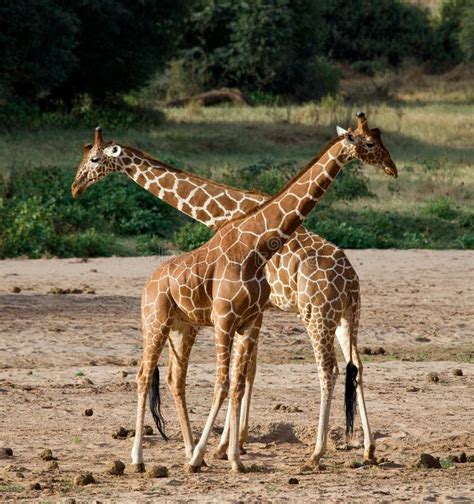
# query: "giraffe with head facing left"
[[268, 227]]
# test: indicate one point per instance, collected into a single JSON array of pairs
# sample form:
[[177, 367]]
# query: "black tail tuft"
[[155, 404], [350, 396]]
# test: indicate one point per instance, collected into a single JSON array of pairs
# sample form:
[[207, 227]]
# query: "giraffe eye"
[[95, 159]]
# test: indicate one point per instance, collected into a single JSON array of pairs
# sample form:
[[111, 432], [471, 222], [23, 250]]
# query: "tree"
[[37, 43], [466, 34]]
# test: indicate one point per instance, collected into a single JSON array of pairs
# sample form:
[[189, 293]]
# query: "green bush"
[[21, 115], [466, 33], [38, 41], [41, 218], [266, 45], [386, 29], [192, 236], [441, 207]]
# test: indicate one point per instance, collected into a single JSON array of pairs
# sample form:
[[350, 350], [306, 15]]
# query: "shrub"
[[37, 46], [466, 34], [441, 207], [192, 236], [368, 30], [267, 45]]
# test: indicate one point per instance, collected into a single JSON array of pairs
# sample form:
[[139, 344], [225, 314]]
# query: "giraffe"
[[308, 274]]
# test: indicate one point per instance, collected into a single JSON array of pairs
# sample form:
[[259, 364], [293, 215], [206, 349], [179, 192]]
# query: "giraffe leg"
[[246, 345], [323, 345], [155, 335], [343, 336], [221, 450], [224, 336], [181, 341]]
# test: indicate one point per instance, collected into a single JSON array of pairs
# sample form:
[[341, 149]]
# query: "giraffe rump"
[[155, 404], [350, 396]]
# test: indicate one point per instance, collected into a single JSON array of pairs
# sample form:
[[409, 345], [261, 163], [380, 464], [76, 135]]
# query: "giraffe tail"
[[350, 392], [155, 404]]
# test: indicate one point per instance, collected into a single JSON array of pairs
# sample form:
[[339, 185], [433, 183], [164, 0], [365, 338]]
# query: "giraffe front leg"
[[224, 336], [220, 452], [245, 349]]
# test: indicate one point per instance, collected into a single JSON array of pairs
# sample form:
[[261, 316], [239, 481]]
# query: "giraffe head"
[[365, 144], [98, 160]]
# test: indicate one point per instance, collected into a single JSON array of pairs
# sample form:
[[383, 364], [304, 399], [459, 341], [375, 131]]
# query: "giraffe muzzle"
[[391, 170]]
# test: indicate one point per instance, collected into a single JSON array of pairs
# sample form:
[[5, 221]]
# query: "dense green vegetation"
[[66, 67]]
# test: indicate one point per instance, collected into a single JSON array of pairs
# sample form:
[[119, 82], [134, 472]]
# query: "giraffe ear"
[[113, 150], [340, 131]]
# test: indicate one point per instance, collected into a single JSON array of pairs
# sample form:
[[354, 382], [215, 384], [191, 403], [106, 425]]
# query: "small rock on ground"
[[47, 454], [35, 486], [16, 289], [411, 388], [457, 372], [462, 458], [84, 479], [148, 430], [116, 467], [294, 481], [89, 412], [433, 377], [122, 433], [427, 461], [6, 452], [157, 472]]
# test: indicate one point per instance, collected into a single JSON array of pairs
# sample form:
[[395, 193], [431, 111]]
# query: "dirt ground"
[[61, 354]]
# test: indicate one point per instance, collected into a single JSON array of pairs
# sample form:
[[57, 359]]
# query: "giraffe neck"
[[271, 225], [205, 201]]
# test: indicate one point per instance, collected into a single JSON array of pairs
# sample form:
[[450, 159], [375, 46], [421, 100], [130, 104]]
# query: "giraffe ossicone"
[[247, 245]]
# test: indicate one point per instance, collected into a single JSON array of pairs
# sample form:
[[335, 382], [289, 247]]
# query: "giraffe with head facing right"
[[308, 274]]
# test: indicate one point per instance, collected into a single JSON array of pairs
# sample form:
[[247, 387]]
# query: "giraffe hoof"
[[310, 466], [370, 453], [219, 455], [238, 468], [137, 468], [192, 469]]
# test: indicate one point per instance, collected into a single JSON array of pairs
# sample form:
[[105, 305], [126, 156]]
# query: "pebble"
[[133, 362], [84, 479], [433, 377], [121, 433], [453, 458], [89, 412], [116, 467], [462, 458], [470, 458], [16, 289], [157, 472], [35, 486], [124, 374], [458, 372], [294, 481], [411, 388], [6, 452], [427, 461], [148, 430], [47, 454], [87, 381]]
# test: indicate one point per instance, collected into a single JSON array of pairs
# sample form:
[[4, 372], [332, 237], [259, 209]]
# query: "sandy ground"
[[61, 354]]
